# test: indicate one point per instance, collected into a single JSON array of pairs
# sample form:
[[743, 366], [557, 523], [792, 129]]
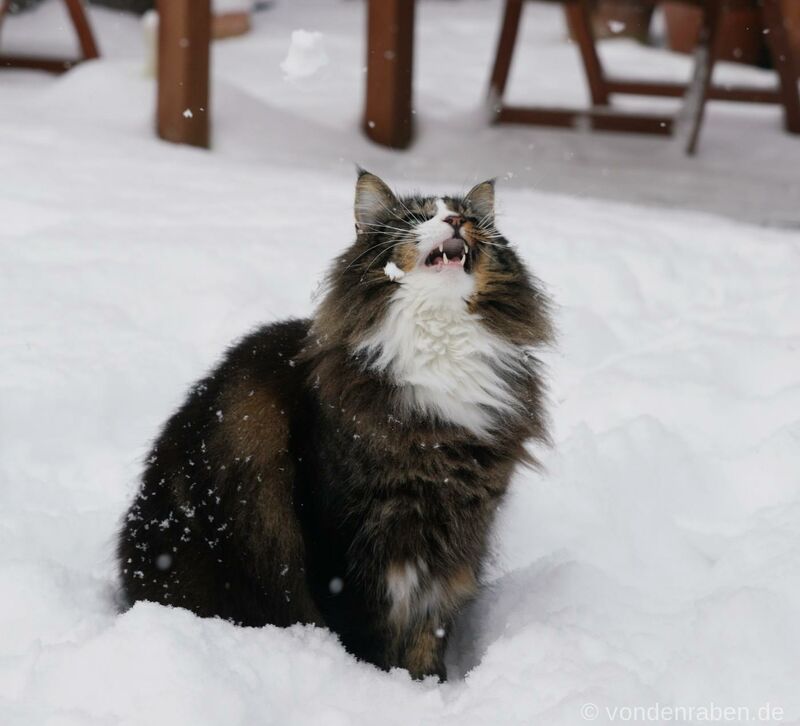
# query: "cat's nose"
[[455, 221]]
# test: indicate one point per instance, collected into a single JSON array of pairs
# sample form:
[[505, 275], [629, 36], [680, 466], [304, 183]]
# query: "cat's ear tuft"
[[373, 200], [481, 200]]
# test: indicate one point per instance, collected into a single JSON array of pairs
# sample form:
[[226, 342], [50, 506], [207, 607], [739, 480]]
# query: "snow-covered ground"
[[655, 561]]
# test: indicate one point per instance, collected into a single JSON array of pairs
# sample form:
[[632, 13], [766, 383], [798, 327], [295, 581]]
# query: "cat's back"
[[268, 353], [243, 408], [260, 386], [218, 483]]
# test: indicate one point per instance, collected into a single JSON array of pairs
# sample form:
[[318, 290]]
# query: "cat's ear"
[[481, 200], [373, 201]]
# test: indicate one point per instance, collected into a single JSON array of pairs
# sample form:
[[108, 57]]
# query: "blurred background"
[[288, 85]]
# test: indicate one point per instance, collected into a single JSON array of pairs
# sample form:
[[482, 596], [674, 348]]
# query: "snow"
[[220, 7], [655, 560], [393, 272]]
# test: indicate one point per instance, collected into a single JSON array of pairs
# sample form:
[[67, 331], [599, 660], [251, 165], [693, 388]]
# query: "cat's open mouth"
[[452, 253]]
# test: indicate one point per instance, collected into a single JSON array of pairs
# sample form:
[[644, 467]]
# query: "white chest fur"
[[447, 363]]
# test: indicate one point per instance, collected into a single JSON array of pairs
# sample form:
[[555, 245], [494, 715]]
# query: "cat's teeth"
[[463, 260], [441, 248], [466, 249], [444, 256]]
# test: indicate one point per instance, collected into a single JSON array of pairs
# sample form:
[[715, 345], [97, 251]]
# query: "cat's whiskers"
[[386, 226], [375, 246], [393, 212], [484, 235], [369, 249], [410, 213], [364, 274], [484, 219]]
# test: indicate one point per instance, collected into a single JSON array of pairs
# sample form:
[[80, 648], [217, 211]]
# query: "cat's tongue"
[[451, 253]]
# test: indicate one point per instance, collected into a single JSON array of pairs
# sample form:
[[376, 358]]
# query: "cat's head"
[[449, 246], [432, 300], [433, 235]]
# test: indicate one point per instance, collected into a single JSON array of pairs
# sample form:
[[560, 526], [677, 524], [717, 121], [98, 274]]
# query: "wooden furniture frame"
[[390, 72], [184, 41], [696, 93], [80, 22]]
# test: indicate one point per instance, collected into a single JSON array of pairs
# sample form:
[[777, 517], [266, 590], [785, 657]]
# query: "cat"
[[346, 470]]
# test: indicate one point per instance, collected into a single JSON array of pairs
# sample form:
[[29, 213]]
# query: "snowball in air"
[[393, 272], [306, 55]]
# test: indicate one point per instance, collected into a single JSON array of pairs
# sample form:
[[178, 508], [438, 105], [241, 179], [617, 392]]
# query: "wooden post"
[[4, 8], [505, 51], [184, 36], [697, 92], [84, 30], [782, 58], [390, 56], [579, 17]]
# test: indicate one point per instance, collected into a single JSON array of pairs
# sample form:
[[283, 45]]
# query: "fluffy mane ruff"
[[444, 363]]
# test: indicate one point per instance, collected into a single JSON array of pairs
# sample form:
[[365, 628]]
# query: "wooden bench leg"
[[579, 15], [82, 27], [601, 116], [4, 7], [781, 53], [390, 69], [697, 92], [505, 50], [80, 21], [184, 37]]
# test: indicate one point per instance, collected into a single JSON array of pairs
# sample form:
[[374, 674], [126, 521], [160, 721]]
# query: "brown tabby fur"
[[292, 485]]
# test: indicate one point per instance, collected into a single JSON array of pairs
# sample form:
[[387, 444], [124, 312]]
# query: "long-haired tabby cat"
[[346, 470]]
